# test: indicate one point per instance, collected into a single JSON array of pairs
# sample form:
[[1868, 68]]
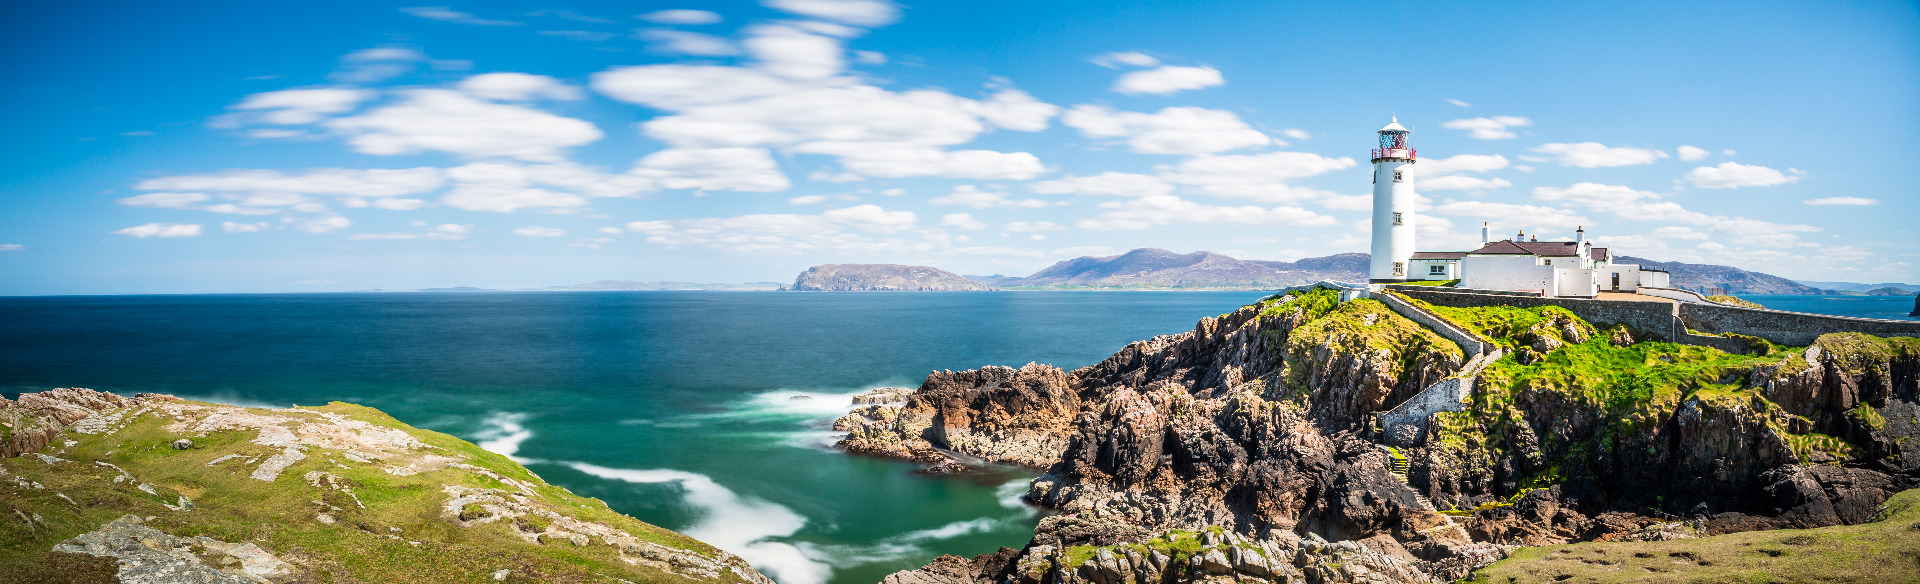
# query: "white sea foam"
[[234, 399], [1011, 495], [742, 525], [504, 433], [899, 547]]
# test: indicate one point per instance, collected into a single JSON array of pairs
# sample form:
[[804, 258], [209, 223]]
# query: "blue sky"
[[234, 147]]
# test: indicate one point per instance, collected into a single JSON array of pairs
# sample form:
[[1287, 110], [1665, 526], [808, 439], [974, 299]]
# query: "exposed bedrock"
[[1257, 426]]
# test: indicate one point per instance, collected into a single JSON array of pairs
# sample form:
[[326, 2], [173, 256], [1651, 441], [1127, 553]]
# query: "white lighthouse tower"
[[1393, 199]]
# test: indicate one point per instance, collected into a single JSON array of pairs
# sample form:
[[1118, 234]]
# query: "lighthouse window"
[[1396, 219], [1399, 268], [1396, 176]]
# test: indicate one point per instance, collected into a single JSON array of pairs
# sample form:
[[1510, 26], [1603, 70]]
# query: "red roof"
[[1535, 248], [1439, 255], [1598, 253]]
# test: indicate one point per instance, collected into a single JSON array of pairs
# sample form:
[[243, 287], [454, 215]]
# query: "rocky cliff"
[[151, 489], [1245, 449], [881, 277]]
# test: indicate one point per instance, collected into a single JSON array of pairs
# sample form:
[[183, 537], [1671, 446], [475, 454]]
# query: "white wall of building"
[[1578, 282], [1507, 272], [1628, 277], [1655, 279], [1393, 241]]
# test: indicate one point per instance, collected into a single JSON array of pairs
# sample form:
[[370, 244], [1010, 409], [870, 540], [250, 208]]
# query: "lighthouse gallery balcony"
[[1383, 153]]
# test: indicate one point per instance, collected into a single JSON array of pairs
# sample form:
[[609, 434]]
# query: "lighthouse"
[[1393, 199]]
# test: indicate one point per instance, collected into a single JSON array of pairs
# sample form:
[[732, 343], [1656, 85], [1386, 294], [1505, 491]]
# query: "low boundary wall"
[[1471, 343], [1655, 318], [1787, 328]]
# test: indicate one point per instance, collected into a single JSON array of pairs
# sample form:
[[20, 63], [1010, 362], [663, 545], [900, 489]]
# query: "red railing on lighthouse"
[[1406, 153]]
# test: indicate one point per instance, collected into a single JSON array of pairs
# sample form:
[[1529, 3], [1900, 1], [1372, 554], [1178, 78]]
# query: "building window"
[[1396, 176], [1437, 270], [1399, 269], [1396, 219]]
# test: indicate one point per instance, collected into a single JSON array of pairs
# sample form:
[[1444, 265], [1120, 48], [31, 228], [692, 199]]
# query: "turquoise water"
[[673, 407], [1887, 307]]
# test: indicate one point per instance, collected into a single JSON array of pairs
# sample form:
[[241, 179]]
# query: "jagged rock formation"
[[1712, 279], [97, 487], [1258, 425], [881, 277], [1159, 268]]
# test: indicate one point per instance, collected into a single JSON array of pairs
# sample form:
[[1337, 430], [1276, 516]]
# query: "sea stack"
[[1916, 306]]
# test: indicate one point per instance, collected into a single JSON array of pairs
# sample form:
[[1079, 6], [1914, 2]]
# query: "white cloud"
[[376, 64], [443, 13], [166, 200], [1595, 195], [451, 121], [1459, 103], [12, 247], [1734, 175], [161, 230], [1106, 183], [1860, 201], [848, 229], [795, 95], [382, 236], [1494, 128], [1132, 58], [398, 204], [681, 16], [1460, 163], [579, 35], [688, 43], [1147, 212], [869, 57], [970, 196], [720, 169], [507, 187], [962, 221], [1512, 216], [1034, 226], [1296, 133], [519, 87], [536, 231], [1462, 183], [1596, 155], [324, 224], [1261, 177], [1690, 153], [855, 12], [375, 182], [1167, 80], [1174, 130], [232, 227], [808, 200], [302, 106]]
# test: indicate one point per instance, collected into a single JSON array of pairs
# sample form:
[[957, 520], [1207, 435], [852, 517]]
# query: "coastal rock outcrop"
[[881, 277], [98, 484], [1258, 426]]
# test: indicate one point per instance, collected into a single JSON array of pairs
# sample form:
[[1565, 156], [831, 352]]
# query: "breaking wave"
[[741, 525], [503, 434]]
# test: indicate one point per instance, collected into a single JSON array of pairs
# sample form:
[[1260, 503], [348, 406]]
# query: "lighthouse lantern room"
[[1393, 201]]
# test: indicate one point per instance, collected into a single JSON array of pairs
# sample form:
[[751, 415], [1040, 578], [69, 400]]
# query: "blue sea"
[[674, 407]]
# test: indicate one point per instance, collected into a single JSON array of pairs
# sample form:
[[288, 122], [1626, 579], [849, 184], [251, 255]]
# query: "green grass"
[[282, 515], [1440, 283], [1887, 550], [1734, 301]]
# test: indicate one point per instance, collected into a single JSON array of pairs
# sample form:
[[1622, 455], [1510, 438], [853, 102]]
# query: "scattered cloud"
[[376, 64], [1168, 80], [971, 196], [1851, 201], [1597, 155], [1148, 212], [519, 87], [1296, 133], [579, 35], [1173, 130], [808, 200], [323, 224], [455, 122], [535, 231], [687, 43], [445, 14], [232, 227], [298, 106], [852, 229], [161, 230], [1107, 183], [1512, 216], [1459, 103], [1034, 226], [1689, 153], [1129, 58], [681, 16], [1260, 177], [1462, 183], [12, 247], [1730, 175], [1461, 163], [1494, 128], [854, 12], [962, 221]]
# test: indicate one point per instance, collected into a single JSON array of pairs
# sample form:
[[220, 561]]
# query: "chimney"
[[1536, 237], [1580, 240], [1522, 236], [1486, 235]]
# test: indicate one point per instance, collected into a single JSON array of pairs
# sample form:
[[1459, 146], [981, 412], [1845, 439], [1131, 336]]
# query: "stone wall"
[[1786, 328], [1655, 318], [1469, 342]]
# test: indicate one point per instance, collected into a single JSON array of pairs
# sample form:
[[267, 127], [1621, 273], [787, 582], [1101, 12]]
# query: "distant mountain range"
[[882, 278], [1152, 268], [609, 285], [1711, 279], [1881, 289]]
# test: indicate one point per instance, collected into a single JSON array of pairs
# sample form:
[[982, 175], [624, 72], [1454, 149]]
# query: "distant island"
[[882, 278], [1152, 268]]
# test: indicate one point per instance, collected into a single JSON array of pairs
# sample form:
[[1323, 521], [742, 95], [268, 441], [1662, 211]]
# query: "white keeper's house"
[[1550, 268]]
